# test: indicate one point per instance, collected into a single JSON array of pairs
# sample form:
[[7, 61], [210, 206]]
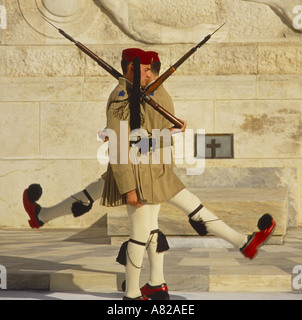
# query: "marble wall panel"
[[263, 129], [285, 87], [211, 87], [43, 61], [19, 123], [41, 89], [69, 130], [281, 58]]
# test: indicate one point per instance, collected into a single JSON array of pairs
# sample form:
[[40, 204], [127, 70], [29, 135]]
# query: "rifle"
[[178, 123], [153, 86]]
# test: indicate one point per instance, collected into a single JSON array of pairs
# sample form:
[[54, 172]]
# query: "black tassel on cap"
[[135, 119]]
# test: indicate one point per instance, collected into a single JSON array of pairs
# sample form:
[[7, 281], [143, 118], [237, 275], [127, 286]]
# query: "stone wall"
[[246, 81]]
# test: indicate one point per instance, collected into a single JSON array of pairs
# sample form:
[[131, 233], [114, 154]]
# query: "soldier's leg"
[[206, 220], [156, 259], [139, 219], [156, 246], [77, 204]]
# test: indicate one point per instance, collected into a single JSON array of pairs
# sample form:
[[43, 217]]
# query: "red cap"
[[154, 56], [132, 53]]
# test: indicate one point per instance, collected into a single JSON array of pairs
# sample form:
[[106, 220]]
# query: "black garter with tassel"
[[122, 255], [162, 243], [78, 208]]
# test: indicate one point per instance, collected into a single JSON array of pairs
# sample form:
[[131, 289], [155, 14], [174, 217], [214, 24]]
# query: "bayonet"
[[153, 86]]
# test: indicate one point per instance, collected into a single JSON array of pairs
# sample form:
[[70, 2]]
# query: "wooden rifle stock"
[[178, 123]]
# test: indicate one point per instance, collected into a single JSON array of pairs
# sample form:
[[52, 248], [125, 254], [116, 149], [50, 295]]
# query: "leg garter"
[[162, 243], [122, 255], [78, 208], [198, 226]]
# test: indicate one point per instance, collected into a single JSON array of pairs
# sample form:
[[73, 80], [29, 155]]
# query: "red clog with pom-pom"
[[267, 226], [30, 196]]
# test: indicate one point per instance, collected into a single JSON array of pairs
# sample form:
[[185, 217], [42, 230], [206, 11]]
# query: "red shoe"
[[148, 290], [258, 239], [31, 207], [137, 298]]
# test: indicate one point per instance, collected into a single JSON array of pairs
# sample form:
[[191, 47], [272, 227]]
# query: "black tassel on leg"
[[79, 208], [199, 227], [122, 255], [162, 243]]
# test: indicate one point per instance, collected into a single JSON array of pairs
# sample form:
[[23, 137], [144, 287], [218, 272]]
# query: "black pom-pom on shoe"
[[34, 192], [265, 222]]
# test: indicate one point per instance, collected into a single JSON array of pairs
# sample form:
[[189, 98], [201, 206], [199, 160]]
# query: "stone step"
[[241, 208], [195, 270], [82, 260]]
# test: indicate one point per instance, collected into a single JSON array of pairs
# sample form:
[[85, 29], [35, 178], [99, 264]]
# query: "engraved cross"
[[213, 147]]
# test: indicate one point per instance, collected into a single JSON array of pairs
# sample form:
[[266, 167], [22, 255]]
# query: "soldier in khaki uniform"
[[142, 185], [133, 179], [152, 183]]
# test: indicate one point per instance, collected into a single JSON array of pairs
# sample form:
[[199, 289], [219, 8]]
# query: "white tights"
[[63, 208], [142, 221], [145, 219]]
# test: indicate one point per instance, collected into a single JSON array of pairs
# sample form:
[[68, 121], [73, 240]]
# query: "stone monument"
[[244, 83]]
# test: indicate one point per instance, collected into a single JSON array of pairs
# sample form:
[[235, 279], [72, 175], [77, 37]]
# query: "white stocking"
[[156, 259], [63, 208], [188, 202], [139, 219]]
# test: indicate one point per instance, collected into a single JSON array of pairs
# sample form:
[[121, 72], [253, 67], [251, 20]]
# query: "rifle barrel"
[[172, 69], [99, 61]]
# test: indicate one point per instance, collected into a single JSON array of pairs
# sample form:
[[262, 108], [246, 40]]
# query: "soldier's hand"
[[175, 130], [132, 199], [183, 129]]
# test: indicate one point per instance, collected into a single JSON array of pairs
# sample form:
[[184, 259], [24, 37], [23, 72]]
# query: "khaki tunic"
[[154, 183]]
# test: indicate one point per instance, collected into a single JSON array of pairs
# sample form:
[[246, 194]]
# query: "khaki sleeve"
[[119, 152]]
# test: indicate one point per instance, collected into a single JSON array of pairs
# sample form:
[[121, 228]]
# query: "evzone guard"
[[143, 190], [142, 187]]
